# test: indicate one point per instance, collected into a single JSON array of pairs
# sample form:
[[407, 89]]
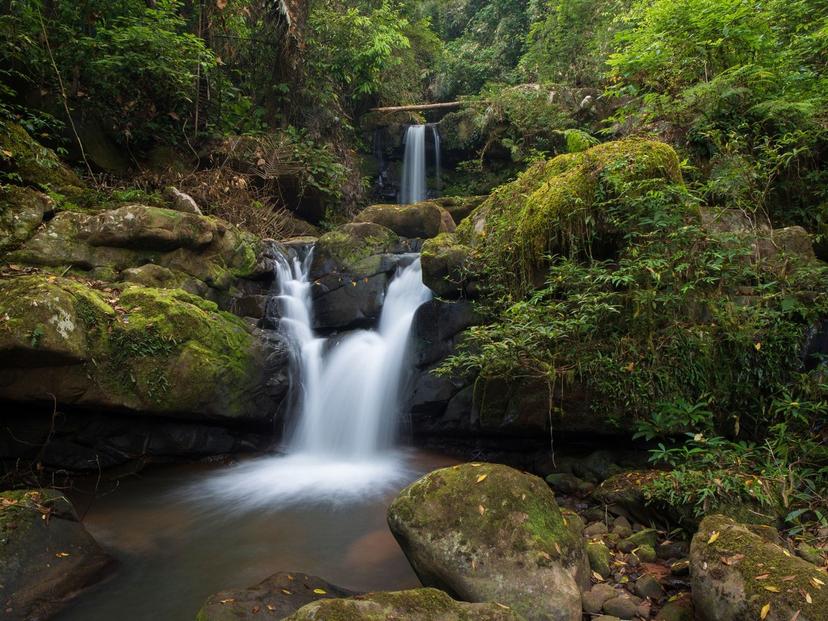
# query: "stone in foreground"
[[272, 599], [487, 532], [46, 555], [740, 574], [413, 605]]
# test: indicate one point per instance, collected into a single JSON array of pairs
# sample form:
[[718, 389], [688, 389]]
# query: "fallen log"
[[415, 107]]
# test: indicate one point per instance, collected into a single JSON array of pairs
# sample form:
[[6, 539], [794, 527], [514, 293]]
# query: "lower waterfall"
[[348, 401]]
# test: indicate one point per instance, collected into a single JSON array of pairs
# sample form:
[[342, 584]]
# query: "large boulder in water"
[[351, 268], [46, 555], [487, 532], [742, 573], [137, 349], [413, 605], [272, 599], [423, 220]]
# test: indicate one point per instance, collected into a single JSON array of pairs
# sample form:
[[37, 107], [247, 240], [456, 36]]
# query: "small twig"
[[65, 99]]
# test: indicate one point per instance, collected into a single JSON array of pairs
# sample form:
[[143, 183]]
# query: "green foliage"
[[572, 40], [786, 473], [134, 65], [351, 49], [743, 87]]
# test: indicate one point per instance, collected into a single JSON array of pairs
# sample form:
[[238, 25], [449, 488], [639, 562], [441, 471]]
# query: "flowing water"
[[176, 544], [413, 188], [184, 533]]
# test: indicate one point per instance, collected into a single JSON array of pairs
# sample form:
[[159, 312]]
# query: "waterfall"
[[413, 188], [351, 389], [437, 171], [349, 395]]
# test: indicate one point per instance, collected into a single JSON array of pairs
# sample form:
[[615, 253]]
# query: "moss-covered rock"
[[486, 532], [272, 599], [46, 555], [739, 575], [21, 212], [354, 249], [163, 351], [351, 269], [413, 605], [131, 236], [566, 206], [423, 220], [459, 207], [445, 261], [26, 161]]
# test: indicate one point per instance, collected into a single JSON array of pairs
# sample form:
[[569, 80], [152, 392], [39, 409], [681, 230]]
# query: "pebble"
[[647, 586], [595, 529], [622, 607], [594, 599]]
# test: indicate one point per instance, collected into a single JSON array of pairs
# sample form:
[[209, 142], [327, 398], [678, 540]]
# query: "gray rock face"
[[45, 554], [21, 212], [725, 559], [273, 599], [487, 532], [413, 605], [183, 202]]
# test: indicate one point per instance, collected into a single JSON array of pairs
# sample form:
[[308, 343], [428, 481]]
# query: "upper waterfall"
[[414, 187]]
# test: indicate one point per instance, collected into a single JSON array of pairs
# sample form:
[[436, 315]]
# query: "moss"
[[21, 212], [356, 248], [788, 577], [571, 204], [516, 507], [414, 605], [29, 163]]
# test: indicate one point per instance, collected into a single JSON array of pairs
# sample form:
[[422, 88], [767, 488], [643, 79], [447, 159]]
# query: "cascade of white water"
[[437, 171], [413, 189], [348, 403], [350, 390]]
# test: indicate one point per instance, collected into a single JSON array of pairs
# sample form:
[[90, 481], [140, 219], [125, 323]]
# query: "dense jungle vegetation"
[[680, 333]]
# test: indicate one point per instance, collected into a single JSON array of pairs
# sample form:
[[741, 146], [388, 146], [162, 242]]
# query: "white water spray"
[[413, 188], [349, 402]]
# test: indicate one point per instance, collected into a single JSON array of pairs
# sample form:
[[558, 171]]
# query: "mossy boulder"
[[29, 163], [445, 260], [131, 236], [487, 532], [413, 605], [43, 320], [162, 351], [272, 599], [459, 207], [569, 205], [148, 228], [351, 268], [357, 249], [21, 212], [423, 220], [739, 573], [46, 555]]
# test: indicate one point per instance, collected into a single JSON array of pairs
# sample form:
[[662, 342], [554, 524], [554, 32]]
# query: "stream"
[[176, 543]]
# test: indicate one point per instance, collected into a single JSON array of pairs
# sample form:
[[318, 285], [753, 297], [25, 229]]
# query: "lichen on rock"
[[486, 532]]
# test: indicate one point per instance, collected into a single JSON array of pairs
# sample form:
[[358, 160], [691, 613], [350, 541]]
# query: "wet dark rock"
[[273, 599], [46, 555], [647, 586]]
